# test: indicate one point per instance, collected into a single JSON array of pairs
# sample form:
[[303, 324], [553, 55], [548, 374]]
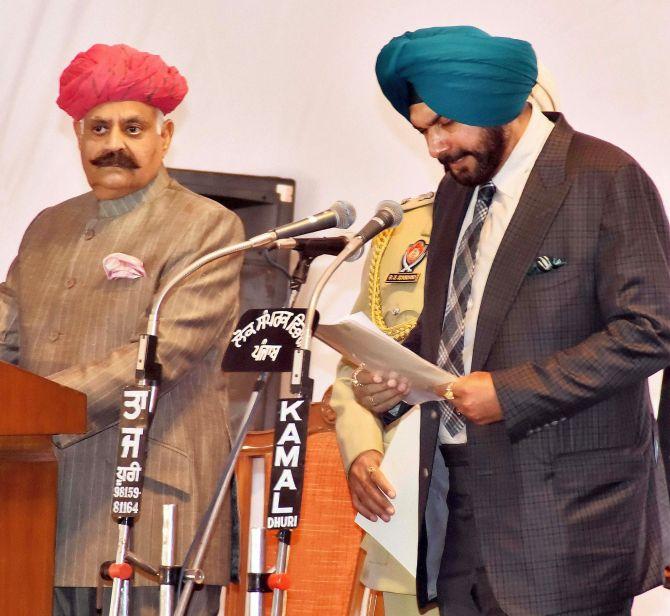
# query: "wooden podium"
[[32, 409]]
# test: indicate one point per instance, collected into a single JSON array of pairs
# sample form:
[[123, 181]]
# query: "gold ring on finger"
[[448, 392], [354, 376], [372, 400], [372, 469]]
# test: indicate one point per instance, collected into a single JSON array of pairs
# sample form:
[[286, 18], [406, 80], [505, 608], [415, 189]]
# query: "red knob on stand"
[[279, 581], [123, 571]]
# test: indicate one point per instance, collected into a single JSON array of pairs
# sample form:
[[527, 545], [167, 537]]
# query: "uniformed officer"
[[392, 297]]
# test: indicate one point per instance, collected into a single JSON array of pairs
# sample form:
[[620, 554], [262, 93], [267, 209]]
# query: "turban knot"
[[460, 72], [107, 73]]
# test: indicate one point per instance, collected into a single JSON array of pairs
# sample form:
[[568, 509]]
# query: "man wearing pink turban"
[[77, 297], [105, 73]]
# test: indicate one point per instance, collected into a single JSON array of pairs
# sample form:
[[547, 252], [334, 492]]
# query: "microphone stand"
[[298, 278], [302, 388], [139, 407], [148, 377]]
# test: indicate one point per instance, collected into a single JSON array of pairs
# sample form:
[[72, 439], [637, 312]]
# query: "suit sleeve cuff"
[[518, 394]]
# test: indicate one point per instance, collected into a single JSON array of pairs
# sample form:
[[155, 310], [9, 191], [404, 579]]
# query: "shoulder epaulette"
[[412, 203]]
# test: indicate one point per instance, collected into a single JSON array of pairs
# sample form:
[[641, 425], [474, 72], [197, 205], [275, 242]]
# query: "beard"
[[488, 155]]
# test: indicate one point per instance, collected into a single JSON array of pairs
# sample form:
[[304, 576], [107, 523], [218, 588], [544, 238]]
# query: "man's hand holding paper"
[[361, 343], [474, 396], [379, 391]]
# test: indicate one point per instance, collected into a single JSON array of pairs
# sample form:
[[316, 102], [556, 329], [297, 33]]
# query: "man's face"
[[122, 147], [471, 154]]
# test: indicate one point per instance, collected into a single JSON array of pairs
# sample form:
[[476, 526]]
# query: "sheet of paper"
[[400, 535], [358, 340]]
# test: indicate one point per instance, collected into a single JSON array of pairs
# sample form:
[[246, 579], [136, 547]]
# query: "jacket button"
[[70, 282], [89, 234], [433, 414], [424, 472], [53, 336]]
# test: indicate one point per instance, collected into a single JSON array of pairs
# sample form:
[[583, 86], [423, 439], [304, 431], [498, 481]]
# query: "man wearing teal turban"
[[479, 79], [547, 302]]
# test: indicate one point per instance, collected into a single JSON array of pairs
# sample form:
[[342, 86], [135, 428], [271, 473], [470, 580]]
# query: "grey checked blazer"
[[567, 489], [60, 317]]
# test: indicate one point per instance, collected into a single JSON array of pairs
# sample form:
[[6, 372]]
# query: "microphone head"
[[391, 212], [345, 214]]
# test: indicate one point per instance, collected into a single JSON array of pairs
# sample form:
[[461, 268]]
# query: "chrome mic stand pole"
[[301, 387], [148, 373], [167, 588], [120, 602]]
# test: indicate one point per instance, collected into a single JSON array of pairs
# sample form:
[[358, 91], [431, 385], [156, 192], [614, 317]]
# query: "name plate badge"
[[131, 453], [288, 463], [411, 259], [264, 340]]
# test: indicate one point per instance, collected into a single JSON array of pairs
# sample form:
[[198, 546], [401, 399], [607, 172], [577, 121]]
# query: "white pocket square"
[[119, 265]]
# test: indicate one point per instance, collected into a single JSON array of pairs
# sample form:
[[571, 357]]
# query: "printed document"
[[400, 535], [358, 340]]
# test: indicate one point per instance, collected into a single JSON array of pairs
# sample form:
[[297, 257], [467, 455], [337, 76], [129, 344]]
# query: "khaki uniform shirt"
[[393, 307]]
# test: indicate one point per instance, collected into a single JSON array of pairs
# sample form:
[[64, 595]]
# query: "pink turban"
[[108, 73]]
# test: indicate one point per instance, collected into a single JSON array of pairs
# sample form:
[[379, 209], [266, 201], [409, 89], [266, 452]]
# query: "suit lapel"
[[540, 201]]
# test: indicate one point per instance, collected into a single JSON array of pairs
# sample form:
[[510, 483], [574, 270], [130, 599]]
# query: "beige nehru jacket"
[[60, 317]]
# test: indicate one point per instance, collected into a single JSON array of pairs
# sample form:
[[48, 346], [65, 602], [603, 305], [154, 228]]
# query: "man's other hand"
[[474, 396], [369, 487], [379, 392]]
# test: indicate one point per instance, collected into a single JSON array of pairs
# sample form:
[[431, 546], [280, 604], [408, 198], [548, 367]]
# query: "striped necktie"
[[450, 351]]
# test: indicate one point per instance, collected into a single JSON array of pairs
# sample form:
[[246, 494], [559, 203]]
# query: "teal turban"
[[460, 72]]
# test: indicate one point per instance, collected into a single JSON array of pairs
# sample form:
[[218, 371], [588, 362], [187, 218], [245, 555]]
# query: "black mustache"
[[448, 159], [116, 158]]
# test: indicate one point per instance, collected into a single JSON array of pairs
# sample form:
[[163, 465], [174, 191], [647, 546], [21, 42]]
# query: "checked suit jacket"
[[568, 493], [61, 318]]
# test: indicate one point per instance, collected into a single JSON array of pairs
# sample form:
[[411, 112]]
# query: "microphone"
[[341, 215], [311, 247], [388, 214]]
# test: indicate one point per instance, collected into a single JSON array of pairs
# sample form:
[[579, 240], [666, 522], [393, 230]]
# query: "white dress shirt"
[[510, 182]]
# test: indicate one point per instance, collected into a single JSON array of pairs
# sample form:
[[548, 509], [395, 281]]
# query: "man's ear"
[[166, 134]]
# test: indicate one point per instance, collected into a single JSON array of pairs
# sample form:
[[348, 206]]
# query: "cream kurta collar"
[[109, 208]]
